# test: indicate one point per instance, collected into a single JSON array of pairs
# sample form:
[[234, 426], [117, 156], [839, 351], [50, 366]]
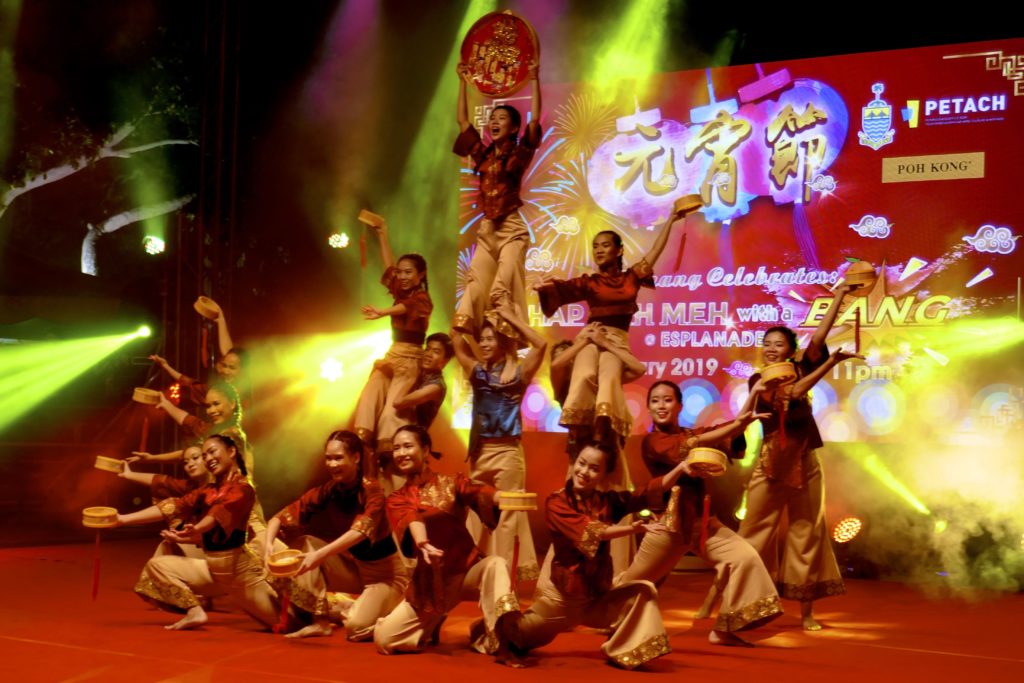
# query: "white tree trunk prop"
[[109, 150], [115, 223]]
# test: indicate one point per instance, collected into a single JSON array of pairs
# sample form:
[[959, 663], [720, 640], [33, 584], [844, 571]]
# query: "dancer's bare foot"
[[314, 630], [807, 617], [811, 624], [727, 639], [194, 618]]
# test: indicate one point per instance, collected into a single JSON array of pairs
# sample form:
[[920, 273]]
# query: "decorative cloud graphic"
[[823, 183], [993, 240], [566, 225], [873, 226], [739, 369], [539, 260]]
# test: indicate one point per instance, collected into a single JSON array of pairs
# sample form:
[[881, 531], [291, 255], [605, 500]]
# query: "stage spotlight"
[[338, 240], [941, 525], [846, 529], [174, 393], [153, 245], [331, 369], [143, 331]]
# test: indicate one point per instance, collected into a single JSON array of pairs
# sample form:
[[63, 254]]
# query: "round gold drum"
[[109, 464], [860, 274], [207, 307], [778, 374], [149, 397], [285, 562], [687, 204], [517, 501], [707, 462], [100, 517]]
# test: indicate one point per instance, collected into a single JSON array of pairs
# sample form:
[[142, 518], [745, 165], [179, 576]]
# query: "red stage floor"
[[50, 630]]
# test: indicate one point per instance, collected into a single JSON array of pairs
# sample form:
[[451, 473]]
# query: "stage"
[[50, 630]]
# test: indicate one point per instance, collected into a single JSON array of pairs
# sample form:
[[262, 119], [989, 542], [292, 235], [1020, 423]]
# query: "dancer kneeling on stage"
[[362, 559], [428, 516], [220, 511], [162, 487], [749, 597], [583, 518]]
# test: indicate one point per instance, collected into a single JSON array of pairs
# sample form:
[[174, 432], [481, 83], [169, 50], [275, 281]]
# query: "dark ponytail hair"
[[616, 240], [351, 441], [420, 264]]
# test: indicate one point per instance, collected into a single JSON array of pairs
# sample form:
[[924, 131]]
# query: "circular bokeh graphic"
[[698, 395], [880, 404]]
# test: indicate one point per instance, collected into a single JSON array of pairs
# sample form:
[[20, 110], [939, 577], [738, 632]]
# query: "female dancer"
[[428, 515], [394, 375], [611, 295], [228, 366], [788, 475], [750, 599], [496, 456], [362, 559], [224, 410], [219, 514], [161, 487], [497, 272], [582, 518]]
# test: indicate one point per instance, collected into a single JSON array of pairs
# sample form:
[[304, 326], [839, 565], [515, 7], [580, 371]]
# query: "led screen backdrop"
[[903, 159]]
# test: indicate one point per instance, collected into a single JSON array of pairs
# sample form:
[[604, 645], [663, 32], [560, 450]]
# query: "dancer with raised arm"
[[496, 455], [497, 271], [749, 596], [394, 376]]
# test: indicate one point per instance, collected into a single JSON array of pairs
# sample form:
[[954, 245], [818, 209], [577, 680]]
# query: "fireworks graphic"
[[560, 198], [462, 271], [584, 122]]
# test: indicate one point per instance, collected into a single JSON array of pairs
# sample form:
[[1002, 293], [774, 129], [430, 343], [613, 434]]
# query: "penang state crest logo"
[[876, 120]]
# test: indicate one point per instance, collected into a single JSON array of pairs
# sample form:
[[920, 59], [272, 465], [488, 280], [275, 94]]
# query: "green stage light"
[[741, 511], [864, 456], [32, 372], [425, 186], [143, 332], [631, 52]]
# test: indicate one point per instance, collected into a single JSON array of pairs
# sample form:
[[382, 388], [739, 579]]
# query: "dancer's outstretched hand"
[[429, 551], [371, 313]]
